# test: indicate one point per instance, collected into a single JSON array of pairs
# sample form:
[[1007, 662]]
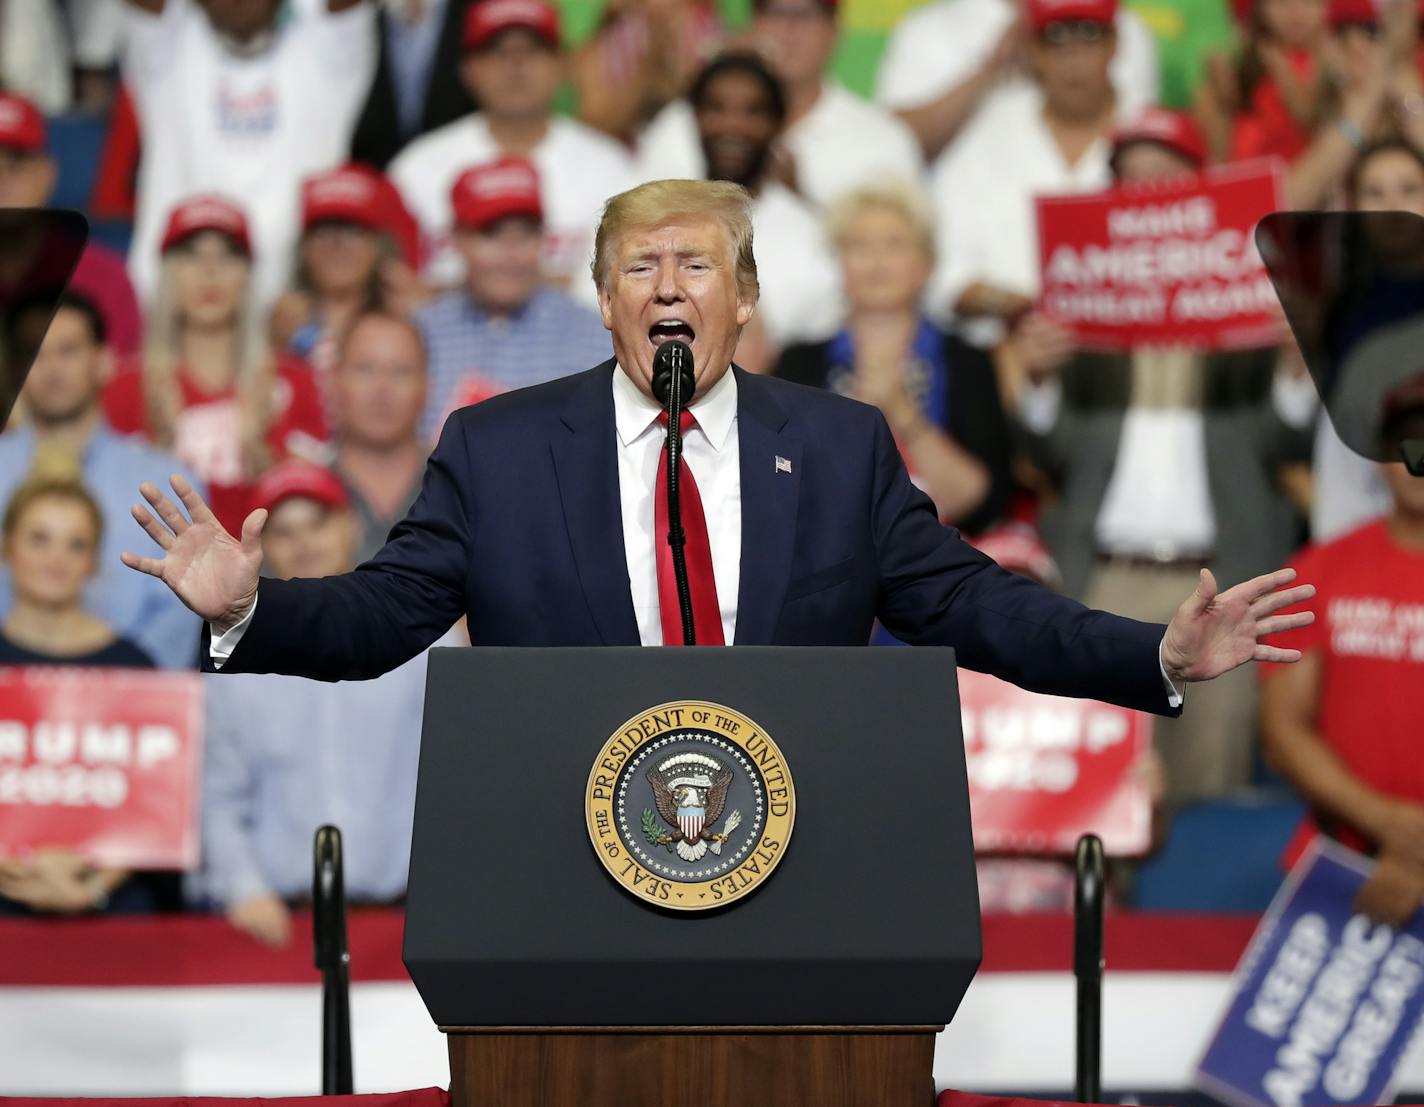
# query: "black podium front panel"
[[870, 918]]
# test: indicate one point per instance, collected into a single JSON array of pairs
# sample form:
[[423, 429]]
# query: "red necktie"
[[706, 612]]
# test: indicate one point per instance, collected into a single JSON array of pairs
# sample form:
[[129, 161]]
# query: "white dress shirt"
[[712, 450], [983, 188]]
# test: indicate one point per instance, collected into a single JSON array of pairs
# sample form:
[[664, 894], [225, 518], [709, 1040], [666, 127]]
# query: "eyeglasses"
[[1074, 30]]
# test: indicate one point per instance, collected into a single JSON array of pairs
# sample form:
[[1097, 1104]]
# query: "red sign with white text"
[[1044, 770], [1170, 263], [102, 761]]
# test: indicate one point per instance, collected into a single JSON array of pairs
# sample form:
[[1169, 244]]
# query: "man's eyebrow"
[[681, 252]]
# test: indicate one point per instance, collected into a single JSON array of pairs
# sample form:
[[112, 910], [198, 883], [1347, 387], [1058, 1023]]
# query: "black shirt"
[[119, 654]]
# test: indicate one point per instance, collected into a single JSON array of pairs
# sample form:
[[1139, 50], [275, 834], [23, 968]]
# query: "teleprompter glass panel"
[[38, 252], [1352, 287]]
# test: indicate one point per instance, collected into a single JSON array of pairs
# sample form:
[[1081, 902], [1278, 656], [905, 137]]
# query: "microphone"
[[673, 359], [673, 385]]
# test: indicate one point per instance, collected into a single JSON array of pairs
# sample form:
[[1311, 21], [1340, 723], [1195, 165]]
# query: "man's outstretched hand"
[[1212, 634], [209, 570]]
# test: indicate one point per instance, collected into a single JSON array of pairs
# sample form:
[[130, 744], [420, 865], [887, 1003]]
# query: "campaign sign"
[[1044, 770], [1326, 1002], [102, 761], [1169, 263]]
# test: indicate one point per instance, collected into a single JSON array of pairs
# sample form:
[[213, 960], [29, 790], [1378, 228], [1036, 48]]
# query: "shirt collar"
[[634, 411]]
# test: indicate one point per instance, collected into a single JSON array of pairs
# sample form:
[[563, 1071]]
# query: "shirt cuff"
[[220, 646], [1174, 694], [1039, 403]]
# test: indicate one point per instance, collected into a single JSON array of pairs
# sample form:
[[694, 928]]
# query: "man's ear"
[[745, 310], [605, 305]]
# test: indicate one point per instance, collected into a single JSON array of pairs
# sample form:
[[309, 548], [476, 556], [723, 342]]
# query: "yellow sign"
[[690, 805]]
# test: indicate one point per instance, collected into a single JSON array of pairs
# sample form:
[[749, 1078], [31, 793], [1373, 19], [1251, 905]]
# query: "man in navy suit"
[[538, 518]]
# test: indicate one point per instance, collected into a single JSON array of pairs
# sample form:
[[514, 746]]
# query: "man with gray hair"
[[538, 518]]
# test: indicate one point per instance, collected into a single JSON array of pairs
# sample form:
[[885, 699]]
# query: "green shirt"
[[1187, 32]]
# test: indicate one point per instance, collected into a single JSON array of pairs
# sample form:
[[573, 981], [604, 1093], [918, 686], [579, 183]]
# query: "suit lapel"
[[586, 463], [769, 446]]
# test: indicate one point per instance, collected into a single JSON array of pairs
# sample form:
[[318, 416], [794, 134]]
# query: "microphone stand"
[[676, 537]]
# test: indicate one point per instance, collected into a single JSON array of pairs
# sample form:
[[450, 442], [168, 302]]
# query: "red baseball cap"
[[356, 193], [1041, 13], [298, 478], [1358, 13], [22, 127], [351, 194], [1173, 129], [486, 18], [488, 193], [207, 213]]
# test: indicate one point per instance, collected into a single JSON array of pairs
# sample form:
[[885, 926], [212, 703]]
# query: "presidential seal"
[[690, 805]]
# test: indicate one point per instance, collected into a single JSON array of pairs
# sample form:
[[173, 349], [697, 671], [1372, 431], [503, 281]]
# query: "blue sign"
[[1326, 1001]]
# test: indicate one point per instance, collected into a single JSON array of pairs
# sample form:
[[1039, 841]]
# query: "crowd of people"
[[350, 219]]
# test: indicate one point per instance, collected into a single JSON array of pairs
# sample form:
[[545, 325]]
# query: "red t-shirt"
[[1369, 634], [207, 437], [1267, 128]]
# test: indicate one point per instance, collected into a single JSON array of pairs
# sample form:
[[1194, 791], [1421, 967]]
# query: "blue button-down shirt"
[[551, 336], [411, 50], [139, 607], [285, 755]]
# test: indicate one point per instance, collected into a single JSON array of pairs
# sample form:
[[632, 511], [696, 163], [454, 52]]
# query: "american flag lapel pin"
[[783, 465]]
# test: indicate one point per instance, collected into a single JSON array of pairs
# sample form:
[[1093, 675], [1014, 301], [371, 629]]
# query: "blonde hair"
[[256, 369], [653, 203], [54, 474], [903, 197]]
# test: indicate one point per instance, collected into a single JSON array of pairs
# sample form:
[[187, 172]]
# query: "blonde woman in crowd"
[[51, 532], [938, 393], [210, 389]]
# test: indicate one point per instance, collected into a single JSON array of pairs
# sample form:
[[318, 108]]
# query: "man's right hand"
[[214, 574]]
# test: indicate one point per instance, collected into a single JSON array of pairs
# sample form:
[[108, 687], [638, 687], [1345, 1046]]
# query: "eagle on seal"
[[690, 794]]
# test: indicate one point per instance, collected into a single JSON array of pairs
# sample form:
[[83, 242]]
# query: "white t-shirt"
[[842, 142], [249, 128], [801, 298], [983, 189], [943, 43], [579, 169]]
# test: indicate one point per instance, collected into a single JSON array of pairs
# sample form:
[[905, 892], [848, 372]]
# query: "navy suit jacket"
[[519, 527]]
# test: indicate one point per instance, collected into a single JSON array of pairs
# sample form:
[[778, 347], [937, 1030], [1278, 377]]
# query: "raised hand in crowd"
[[1034, 351], [264, 918], [58, 881], [212, 572]]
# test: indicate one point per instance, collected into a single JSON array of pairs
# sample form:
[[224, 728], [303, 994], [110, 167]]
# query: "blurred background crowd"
[[322, 225]]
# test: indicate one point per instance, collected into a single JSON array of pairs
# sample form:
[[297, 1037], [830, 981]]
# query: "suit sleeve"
[[937, 590], [364, 623]]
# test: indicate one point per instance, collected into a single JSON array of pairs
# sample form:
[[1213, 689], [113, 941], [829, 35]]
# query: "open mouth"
[[670, 330]]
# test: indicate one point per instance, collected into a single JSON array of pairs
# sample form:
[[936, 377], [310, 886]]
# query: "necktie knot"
[[685, 423]]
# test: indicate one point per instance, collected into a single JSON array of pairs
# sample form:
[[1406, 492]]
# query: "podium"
[[652, 877]]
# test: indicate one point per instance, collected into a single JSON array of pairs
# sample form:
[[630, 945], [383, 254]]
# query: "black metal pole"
[[677, 537], [1088, 967], [333, 959]]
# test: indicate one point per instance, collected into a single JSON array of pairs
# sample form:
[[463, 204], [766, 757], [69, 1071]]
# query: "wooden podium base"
[[692, 1066]]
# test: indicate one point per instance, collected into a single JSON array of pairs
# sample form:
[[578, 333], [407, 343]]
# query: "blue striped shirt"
[[551, 336]]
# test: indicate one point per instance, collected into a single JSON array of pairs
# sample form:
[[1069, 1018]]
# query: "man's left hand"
[[1212, 634]]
